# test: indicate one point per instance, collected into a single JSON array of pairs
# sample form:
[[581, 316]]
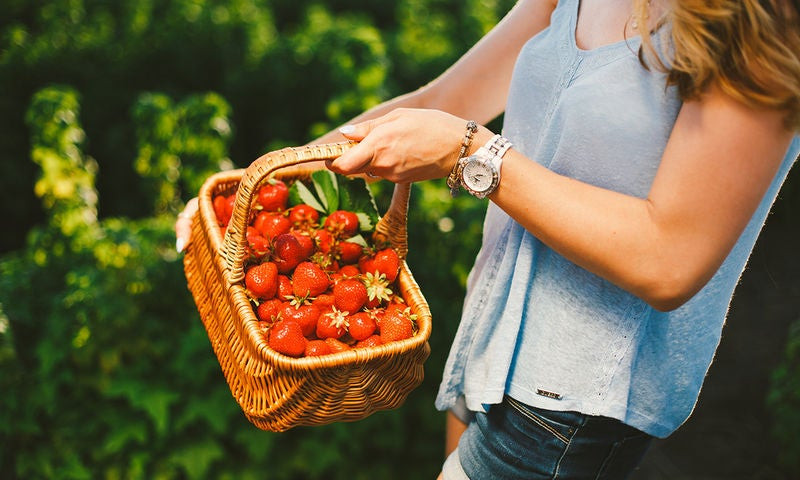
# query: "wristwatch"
[[480, 172]]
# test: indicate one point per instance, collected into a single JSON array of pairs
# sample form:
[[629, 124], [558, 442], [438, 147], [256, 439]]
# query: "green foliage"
[[180, 145], [784, 403], [105, 367]]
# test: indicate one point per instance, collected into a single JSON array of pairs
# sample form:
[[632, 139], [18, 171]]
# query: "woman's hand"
[[183, 225], [406, 145]]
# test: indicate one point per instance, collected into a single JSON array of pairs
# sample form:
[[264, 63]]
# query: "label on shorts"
[[545, 393]]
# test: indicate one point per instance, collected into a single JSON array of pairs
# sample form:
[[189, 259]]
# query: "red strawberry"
[[262, 280], [337, 345], [303, 215], [371, 341], [350, 271], [305, 315], [361, 325], [395, 325], [305, 241], [309, 280], [274, 195], [286, 337], [315, 348], [230, 201], [285, 291], [378, 290], [342, 223], [384, 261], [269, 310], [324, 240], [220, 204], [259, 245], [324, 302], [287, 252], [271, 224], [332, 324], [349, 252], [349, 295]]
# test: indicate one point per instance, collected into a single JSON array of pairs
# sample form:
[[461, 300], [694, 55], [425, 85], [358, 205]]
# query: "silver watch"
[[480, 172]]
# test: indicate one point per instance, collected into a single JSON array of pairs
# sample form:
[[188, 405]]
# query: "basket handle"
[[391, 226]]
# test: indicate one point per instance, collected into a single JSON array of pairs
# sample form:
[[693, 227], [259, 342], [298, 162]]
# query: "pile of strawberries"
[[316, 285]]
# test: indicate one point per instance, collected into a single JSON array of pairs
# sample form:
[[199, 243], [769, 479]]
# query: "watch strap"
[[453, 180]]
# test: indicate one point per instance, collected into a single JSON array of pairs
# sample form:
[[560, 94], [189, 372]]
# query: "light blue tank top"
[[547, 332]]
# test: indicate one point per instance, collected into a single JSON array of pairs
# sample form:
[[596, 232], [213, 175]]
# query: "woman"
[[626, 193]]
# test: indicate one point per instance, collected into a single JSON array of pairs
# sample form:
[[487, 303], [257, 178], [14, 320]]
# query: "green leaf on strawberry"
[[299, 193], [329, 192], [327, 188]]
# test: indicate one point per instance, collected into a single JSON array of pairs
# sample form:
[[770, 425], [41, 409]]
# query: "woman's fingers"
[[183, 225]]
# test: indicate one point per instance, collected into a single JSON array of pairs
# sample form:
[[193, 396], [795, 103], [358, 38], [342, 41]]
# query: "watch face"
[[478, 176]]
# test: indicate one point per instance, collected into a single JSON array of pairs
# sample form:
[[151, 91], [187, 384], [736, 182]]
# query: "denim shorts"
[[517, 441]]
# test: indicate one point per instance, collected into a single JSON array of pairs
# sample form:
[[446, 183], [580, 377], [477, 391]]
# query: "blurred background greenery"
[[111, 116]]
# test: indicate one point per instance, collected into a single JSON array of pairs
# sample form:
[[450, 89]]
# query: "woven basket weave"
[[278, 392]]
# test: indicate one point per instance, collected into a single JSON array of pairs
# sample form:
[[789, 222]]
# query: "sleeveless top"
[[547, 332]]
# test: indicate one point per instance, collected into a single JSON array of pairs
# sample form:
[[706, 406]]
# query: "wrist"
[[453, 179]]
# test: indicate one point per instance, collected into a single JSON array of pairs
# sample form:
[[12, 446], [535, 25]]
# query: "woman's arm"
[[476, 86], [719, 161]]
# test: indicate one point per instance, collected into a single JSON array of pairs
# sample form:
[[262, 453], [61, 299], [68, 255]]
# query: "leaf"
[[153, 401], [355, 195], [327, 188], [299, 193], [195, 459], [358, 239], [123, 433], [365, 223]]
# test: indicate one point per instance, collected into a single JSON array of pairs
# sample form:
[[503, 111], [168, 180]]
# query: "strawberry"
[[349, 271], [342, 223], [349, 295], [285, 291], [305, 315], [378, 291], [269, 310], [287, 252], [262, 280], [286, 337], [259, 246], [309, 280], [230, 201], [361, 325], [371, 341], [396, 325], [337, 345], [305, 241], [324, 302], [315, 348], [271, 224], [349, 252], [332, 324], [273, 196], [220, 210], [303, 215], [385, 261], [324, 240]]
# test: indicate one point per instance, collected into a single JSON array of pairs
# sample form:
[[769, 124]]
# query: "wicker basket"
[[278, 392]]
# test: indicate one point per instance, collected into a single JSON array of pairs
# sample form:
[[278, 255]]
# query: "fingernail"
[[347, 129], [180, 244]]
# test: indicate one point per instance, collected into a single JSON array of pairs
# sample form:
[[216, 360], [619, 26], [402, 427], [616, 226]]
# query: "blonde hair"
[[749, 48]]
